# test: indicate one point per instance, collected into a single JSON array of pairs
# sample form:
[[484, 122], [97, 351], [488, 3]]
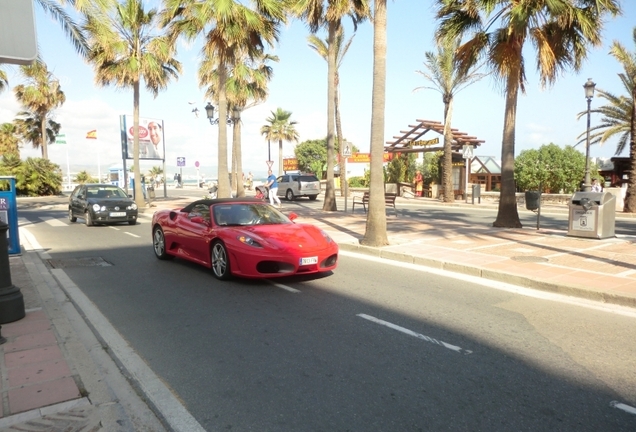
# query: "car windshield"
[[105, 192], [248, 214]]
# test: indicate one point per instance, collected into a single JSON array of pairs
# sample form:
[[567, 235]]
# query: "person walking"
[[272, 185], [419, 183], [596, 187]]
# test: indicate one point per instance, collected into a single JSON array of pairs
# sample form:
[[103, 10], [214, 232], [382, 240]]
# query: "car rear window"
[[308, 178]]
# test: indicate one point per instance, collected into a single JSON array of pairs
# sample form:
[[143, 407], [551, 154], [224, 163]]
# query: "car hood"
[[287, 236]]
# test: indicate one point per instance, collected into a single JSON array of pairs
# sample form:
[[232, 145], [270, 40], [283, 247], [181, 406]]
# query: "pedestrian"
[[143, 185], [250, 181], [419, 183], [272, 185], [596, 187]]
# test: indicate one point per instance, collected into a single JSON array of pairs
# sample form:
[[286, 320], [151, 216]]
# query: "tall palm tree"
[[375, 231], [448, 80], [28, 128], [126, 49], [230, 30], [40, 96], [561, 31], [9, 141], [246, 87], [280, 128], [321, 47], [319, 15]]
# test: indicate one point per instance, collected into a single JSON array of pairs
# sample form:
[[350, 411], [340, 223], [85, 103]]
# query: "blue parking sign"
[[180, 161]]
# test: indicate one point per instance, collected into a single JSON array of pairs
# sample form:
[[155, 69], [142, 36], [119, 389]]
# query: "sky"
[[299, 85]]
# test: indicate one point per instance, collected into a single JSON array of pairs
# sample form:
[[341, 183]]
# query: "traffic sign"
[[269, 164], [196, 164], [181, 162], [467, 151], [346, 152]]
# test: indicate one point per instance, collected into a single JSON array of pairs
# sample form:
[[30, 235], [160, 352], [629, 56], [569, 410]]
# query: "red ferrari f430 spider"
[[242, 237]]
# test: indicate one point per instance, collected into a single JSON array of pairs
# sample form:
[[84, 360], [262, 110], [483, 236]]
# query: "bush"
[[357, 182]]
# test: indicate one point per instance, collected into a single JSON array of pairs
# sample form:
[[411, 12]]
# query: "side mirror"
[[292, 216], [80, 196], [200, 220]]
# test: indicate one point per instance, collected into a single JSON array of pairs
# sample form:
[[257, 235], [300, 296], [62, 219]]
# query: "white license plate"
[[311, 186], [117, 214], [308, 261]]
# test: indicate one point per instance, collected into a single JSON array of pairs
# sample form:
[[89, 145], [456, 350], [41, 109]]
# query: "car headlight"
[[96, 207], [133, 206], [326, 236], [249, 241]]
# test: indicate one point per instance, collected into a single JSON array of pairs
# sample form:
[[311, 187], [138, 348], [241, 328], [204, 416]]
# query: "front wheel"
[[88, 219], [220, 261], [289, 195], [159, 244], [71, 218]]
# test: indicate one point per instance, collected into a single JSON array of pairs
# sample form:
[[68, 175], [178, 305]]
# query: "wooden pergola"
[[411, 140]]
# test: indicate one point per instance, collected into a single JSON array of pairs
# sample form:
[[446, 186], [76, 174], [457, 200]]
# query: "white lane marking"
[[417, 335], [32, 243], [131, 234], [503, 286], [622, 406], [53, 221], [285, 287], [113, 227]]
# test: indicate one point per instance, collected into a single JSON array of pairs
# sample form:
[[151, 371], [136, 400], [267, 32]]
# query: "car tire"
[[71, 218], [88, 219], [313, 197], [159, 244], [220, 261], [290, 195], [132, 222]]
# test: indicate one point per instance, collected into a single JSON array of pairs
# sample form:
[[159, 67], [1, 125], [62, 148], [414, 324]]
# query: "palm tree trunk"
[[139, 196], [280, 157], [240, 190], [375, 232], [234, 179], [224, 181], [330, 195], [449, 194], [341, 164], [44, 148], [630, 196], [507, 215]]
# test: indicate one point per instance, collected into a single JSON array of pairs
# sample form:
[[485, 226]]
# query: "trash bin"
[[9, 212], [592, 215], [533, 200], [151, 192], [476, 193]]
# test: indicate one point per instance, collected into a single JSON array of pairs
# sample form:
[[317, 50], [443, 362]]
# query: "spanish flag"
[[91, 134]]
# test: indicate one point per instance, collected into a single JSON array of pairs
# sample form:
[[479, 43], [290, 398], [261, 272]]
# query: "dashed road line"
[[417, 335], [285, 287], [622, 406]]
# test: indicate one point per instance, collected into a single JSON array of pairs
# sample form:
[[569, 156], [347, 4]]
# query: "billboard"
[[151, 138]]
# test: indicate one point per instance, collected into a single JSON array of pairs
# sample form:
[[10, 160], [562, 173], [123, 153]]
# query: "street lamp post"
[[589, 94]]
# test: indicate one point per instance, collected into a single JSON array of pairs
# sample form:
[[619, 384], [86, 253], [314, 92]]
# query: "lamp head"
[[589, 88], [209, 111]]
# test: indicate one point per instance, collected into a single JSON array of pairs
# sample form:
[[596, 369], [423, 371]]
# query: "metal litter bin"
[[592, 215], [151, 192], [476, 193]]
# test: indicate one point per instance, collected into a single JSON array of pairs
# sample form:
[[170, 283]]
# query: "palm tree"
[[40, 96], [318, 15], [560, 31], [9, 141], [375, 231], [448, 80], [246, 87], [127, 48], [28, 127], [282, 129], [231, 30], [4, 81], [320, 46]]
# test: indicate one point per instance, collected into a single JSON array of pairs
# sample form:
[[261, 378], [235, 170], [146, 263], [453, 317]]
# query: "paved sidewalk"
[[53, 380]]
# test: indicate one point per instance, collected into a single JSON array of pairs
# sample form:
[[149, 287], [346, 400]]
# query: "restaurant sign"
[[290, 164]]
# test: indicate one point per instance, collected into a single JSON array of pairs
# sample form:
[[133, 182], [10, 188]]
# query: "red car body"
[[242, 237]]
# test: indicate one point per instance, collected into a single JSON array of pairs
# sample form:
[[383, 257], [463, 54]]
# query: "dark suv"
[[292, 186]]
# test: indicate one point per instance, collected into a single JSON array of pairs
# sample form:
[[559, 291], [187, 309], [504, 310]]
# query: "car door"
[[195, 236], [283, 184], [78, 200]]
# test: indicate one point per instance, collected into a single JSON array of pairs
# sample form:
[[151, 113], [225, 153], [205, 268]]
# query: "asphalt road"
[[375, 346]]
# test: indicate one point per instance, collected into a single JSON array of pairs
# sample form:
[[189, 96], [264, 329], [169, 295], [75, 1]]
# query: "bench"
[[389, 201]]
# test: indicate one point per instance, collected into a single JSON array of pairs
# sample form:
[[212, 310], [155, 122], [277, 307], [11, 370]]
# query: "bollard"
[[11, 300]]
